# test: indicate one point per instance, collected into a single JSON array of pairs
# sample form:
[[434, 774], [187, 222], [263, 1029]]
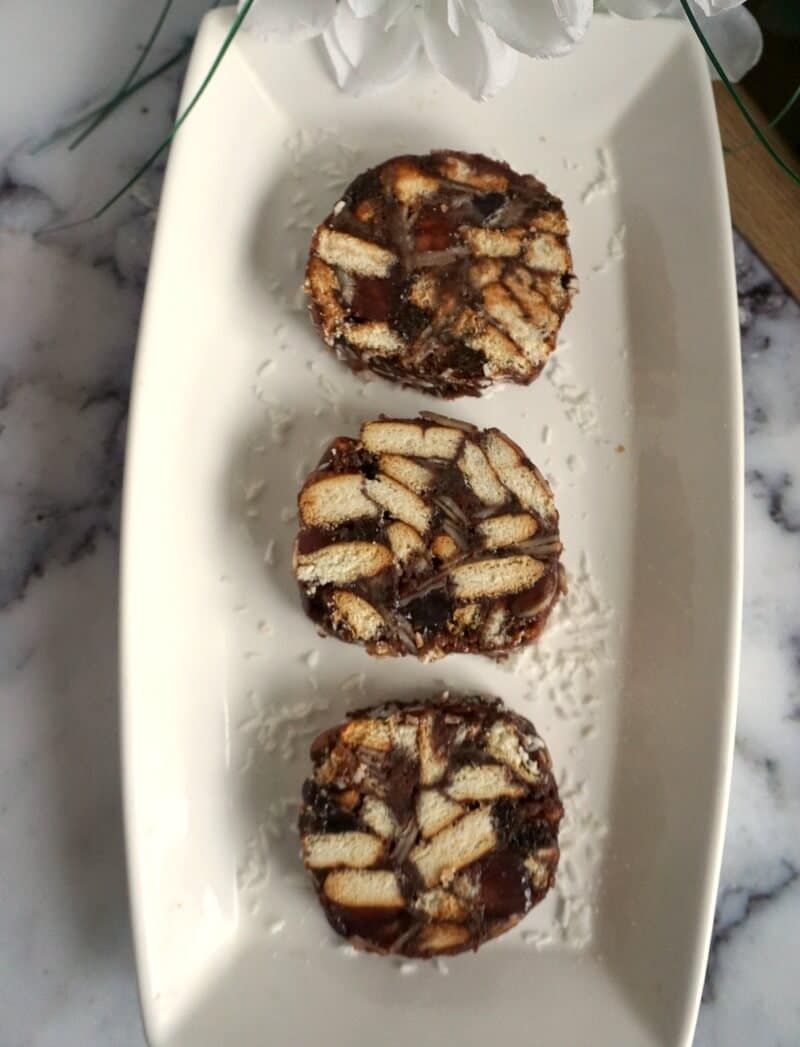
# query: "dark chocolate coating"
[[389, 756], [448, 272]]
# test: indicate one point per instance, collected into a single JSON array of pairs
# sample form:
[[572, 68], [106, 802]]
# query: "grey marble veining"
[[750, 995], [69, 307]]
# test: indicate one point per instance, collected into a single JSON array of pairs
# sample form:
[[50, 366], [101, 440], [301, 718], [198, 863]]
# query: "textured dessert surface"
[[447, 272], [428, 536], [431, 827]]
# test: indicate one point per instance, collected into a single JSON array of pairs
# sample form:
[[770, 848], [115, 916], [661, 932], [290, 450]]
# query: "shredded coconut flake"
[[579, 404], [538, 939], [273, 727], [265, 628], [281, 421], [311, 659], [562, 670], [252, 872], [354, 684], [615, 251], [604, 181]]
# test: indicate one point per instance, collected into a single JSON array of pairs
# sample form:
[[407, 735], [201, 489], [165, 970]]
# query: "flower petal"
[[365, 8], [365, 56], [290, 19], [637, 8], [454, 16], [475, 60], [715, 7], [733, 36], [540, 28], [395, 9]]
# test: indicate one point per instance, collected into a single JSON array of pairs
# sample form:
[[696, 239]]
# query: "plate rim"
[[733, 609]]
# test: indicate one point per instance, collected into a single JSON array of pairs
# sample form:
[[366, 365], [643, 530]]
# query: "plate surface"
[[637, 421]]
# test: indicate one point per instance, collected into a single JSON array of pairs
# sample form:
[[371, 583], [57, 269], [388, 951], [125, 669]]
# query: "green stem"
[[133, 89], [733, 150], [789, 105], [735, 95], [240, 17], [114, 101]]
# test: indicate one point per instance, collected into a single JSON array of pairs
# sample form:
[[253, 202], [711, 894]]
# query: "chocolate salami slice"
[[447, 272], [428, 536], [429, 828]]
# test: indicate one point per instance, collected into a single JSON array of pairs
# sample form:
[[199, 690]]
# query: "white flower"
[[476, 43], [370, 51], [290, 19], [540, 28], [466, 50], [731, 31]]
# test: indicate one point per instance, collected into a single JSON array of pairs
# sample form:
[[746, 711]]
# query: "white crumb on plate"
[[580, 404], [281, 419], [356, 682], [561, 670], [276, 727], [538, 939], [615, 251], [604, 181], [253, 490], [616, 245]]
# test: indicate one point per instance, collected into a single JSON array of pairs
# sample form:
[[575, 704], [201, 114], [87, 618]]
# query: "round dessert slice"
[[428, 536], [429, 828], [447, 272]]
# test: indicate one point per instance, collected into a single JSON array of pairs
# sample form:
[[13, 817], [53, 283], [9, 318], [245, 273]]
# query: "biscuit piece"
[[407, 867], [428, 536], [447, 272]]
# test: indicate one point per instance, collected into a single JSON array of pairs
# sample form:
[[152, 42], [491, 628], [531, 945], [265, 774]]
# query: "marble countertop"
[[69, 317]]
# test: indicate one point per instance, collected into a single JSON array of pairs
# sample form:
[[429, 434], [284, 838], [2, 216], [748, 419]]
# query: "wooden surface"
[[765, 202]]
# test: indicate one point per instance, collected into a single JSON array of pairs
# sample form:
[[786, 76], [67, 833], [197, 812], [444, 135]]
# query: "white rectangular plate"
[[637, 421]]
